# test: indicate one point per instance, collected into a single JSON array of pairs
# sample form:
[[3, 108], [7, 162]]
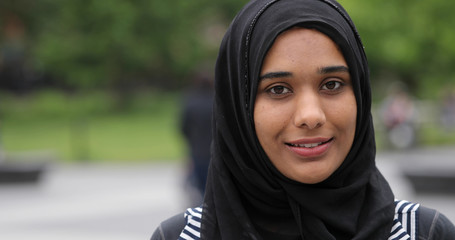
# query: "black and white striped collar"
[[405, 222]]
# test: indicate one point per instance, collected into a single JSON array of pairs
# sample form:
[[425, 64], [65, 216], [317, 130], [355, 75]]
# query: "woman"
[[293, 152]]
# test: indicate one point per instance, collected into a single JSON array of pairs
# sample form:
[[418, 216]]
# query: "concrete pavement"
[[91, 202], [128, 201]]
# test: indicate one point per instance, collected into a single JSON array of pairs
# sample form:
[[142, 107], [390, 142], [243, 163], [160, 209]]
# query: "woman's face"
[[305, 109]]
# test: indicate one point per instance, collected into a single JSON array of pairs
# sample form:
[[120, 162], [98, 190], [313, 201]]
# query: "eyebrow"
[[333, 69], [322, 70], [275, 75]]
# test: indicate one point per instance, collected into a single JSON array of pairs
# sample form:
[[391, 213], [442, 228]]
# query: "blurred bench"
[[14, 172], [432, 180]]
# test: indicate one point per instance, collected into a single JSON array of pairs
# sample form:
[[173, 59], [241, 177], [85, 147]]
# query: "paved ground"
[[91, 202], [127, 202], [431, 161]]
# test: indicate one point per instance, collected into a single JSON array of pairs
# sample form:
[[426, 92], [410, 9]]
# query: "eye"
[[332, 85], [278, 90]]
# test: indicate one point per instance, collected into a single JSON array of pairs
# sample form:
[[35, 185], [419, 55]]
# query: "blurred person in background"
[[448, 110], [293, 152], [196, 122], [12, 54], [17, 74], [399, 114]]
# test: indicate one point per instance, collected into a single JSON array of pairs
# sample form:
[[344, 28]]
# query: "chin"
[[311, 180]]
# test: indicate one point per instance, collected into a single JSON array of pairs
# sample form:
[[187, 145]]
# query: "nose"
[[309, 112]]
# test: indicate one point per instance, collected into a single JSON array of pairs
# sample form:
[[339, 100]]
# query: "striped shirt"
[[405, 225], [405, 221], [192, 229]]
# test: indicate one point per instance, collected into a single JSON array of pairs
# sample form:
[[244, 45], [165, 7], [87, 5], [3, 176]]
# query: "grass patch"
[[436, 136], [89, 127]]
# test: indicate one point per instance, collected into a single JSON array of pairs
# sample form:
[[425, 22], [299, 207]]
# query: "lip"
[[310, 152]]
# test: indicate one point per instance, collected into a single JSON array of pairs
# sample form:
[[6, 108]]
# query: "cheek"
[[261, 121], [347, 116], [268, 120], [342, 113], [352, 114]]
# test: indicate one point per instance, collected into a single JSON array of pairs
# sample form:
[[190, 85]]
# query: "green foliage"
[[409, 41], [90, 43], [116, 43]]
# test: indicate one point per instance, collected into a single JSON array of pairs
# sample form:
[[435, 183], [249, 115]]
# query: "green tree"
[[90, 43], [118, 43], [410, 41]]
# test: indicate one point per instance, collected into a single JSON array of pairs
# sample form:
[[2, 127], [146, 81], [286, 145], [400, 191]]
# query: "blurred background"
[[93, 96]]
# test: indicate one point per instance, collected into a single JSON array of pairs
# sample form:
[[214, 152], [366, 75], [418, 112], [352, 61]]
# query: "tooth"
[[310, 145]]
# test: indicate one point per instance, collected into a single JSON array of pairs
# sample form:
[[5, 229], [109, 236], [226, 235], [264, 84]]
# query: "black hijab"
[[243, 186]]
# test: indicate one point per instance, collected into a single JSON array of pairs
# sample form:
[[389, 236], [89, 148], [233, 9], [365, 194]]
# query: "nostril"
[[310, 120]]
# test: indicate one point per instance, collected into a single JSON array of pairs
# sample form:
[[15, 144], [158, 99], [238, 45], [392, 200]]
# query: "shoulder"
[[434, 225], [405, 220], [182, 226], [413, 221], [170, 228]]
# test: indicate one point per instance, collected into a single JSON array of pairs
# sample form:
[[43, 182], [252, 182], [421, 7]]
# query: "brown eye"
[[277, 90], [332, 85]]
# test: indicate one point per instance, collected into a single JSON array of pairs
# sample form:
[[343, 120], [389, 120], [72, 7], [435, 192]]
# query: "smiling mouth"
[[309, 145]]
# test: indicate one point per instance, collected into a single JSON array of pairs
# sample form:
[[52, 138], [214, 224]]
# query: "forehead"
[[304, 48]]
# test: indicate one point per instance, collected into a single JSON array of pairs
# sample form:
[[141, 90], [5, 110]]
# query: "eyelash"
[[338, 86], [274, 88]]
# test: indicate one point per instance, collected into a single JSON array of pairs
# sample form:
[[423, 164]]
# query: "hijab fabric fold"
[[355, 202]]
